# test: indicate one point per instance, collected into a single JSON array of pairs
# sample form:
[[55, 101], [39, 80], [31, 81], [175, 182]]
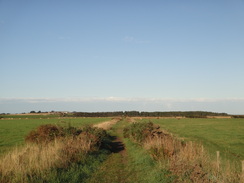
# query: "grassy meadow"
[[224, 135], [29, 115], [13, 131], [125, 152]]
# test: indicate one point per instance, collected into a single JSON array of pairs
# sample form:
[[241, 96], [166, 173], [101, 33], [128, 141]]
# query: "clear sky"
[[122, 55]]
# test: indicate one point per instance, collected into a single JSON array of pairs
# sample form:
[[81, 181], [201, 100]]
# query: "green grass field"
[[27, 116], [133, 162], [13, 131], [224, 135]]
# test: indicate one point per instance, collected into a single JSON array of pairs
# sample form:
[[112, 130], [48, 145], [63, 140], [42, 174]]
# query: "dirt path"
[[114, 169], [107, 124]]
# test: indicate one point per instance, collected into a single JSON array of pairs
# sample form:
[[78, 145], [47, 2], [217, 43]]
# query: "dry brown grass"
[[189, 161], [36, 159], [107, 124]]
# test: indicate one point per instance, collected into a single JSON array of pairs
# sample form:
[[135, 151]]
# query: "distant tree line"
[[35, 112], [188, 114], [237, 116]]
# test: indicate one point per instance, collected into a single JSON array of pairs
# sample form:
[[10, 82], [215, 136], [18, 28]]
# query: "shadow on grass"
[[116, 146]]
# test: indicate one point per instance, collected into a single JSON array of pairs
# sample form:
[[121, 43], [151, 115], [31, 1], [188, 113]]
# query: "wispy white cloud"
[[116, 99], [128, 39], [17, 105]]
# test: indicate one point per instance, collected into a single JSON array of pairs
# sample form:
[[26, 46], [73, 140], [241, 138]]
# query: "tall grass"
[[23, 163], [189, 161], [142, 168], [37, 160], [224, 135]]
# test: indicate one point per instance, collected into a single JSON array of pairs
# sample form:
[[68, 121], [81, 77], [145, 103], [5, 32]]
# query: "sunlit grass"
[[13, 132], [224, 135]]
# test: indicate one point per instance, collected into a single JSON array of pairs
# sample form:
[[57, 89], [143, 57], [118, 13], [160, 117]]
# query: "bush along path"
[[187, 161], [56, 154]]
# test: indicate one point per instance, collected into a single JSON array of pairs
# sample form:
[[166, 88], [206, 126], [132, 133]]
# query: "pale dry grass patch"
[[107, 124], [189, 161], [35, 159]]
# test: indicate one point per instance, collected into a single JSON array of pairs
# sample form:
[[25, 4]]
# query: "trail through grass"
[[129, 165], [114, 169]]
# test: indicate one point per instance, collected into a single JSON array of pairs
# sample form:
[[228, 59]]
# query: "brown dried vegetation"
[[49, 147], [187, 160]]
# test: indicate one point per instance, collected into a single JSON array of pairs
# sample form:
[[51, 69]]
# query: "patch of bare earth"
[[107, 124]]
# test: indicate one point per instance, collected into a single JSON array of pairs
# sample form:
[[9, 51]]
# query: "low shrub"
[[139, 132], [72, 131], [45, 133], [98, 136]]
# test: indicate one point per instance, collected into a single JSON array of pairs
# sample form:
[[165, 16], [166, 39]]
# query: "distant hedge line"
[[190, 114]]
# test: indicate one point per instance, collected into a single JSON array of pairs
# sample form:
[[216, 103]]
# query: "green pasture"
[[224, 135], [13, 131], [28, 116]]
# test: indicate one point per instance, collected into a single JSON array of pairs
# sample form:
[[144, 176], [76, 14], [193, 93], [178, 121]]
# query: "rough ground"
[[107, 124], [114, 169]]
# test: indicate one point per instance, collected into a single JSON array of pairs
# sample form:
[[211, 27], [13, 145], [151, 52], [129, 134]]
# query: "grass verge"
[[224, 135], [133, 164], [69, 157], [142, 168], [188, 161]]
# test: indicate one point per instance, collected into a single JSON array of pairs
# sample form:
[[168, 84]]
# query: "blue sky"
[[122, 55]]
